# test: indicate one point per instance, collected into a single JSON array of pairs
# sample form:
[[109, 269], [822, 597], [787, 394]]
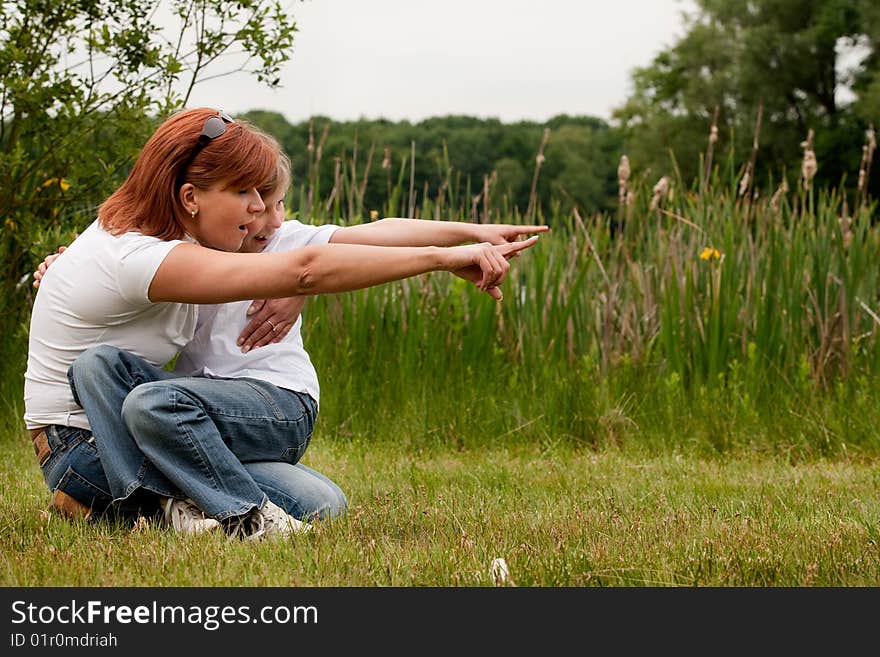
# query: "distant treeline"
[[459, 159]]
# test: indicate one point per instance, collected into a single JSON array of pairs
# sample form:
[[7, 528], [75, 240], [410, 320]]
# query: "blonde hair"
[[280, 179]]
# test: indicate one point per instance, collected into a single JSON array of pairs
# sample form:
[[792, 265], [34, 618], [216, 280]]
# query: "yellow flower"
[[374, 214], [62, 183], [708, 253]]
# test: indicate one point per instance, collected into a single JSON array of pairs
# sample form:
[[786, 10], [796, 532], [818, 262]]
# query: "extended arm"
[[193, 274], [423, 232]]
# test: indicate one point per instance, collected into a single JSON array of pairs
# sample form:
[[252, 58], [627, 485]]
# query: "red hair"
[[148, 201]]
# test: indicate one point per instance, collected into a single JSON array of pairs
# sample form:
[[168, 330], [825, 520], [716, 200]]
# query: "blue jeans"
[[224, 443]]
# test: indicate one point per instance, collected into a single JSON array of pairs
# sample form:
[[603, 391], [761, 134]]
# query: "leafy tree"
[[580, 166], [82, 85], [779, 59]]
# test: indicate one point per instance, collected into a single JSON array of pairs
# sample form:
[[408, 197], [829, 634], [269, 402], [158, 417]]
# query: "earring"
[[192, 213]]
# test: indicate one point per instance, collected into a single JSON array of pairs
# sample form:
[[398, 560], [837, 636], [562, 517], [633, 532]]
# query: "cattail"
[[337, 183], [865, 165], [744, 183], [539, 160], [846, 230], [661, 190], [808, 144], [320, 150], [862, 172], [623, 172], [710, 148], [777, 196], [809, 165]]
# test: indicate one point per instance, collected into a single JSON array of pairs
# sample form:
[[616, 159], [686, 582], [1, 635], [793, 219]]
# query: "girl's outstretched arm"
[[426, 232]]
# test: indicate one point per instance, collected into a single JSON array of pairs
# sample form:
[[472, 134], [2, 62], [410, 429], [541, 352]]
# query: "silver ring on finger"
[[269, 322]]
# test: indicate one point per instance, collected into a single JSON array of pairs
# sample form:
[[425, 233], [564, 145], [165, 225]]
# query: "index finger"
[[512, 248], [525, 230]]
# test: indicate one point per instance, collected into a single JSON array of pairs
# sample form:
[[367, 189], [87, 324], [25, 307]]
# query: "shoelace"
[[276, 524]]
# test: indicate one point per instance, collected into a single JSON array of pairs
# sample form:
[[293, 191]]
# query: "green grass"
[[559, 516]]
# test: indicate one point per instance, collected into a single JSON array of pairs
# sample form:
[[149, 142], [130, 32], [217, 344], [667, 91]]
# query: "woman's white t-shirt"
[[96, 293]]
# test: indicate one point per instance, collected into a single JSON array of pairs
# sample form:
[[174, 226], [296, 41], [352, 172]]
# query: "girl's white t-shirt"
[[214, 352]]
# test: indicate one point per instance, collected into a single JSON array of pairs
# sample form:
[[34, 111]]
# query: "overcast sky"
[[411, 59]]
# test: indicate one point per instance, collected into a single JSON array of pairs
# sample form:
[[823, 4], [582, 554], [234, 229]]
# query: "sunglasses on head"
[[213, 128]]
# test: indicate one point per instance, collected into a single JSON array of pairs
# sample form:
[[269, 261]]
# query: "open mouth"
[[263, 238]]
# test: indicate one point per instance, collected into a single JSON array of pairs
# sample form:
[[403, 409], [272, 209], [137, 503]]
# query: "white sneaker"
[[277, 522], [270, 521], [185, 517]]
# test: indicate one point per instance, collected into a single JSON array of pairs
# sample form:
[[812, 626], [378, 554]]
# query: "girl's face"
[[261, 229], [224, 216]]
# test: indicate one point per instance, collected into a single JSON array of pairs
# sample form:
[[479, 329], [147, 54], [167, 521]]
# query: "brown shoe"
[[68, 506]]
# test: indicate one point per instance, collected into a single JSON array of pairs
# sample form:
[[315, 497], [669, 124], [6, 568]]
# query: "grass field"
[[559, 516]]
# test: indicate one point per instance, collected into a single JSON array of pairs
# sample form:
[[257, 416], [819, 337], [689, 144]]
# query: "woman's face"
[[223, 216], [261, 229]]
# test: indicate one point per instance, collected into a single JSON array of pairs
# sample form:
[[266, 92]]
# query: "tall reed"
[[695, 294]]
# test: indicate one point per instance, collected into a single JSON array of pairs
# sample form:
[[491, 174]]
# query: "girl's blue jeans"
[[226, 444]]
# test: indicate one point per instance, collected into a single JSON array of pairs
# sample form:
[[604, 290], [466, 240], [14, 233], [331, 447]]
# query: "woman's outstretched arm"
[[194, 274]]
